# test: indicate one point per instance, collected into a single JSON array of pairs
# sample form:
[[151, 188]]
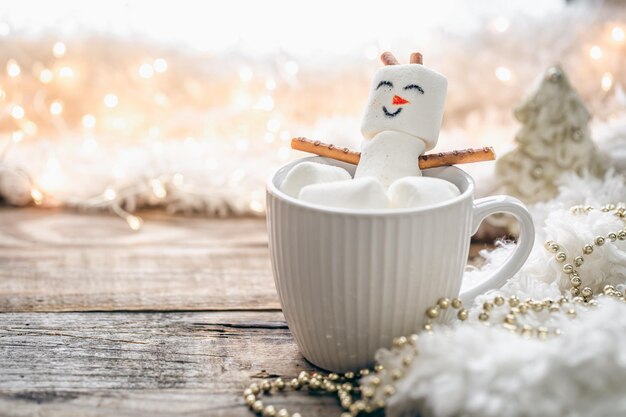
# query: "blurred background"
[[188, 106]]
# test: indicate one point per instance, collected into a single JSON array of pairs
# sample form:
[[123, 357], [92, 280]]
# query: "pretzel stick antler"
[[464, 156]]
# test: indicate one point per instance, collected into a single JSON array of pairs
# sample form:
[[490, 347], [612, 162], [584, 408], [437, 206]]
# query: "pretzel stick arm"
[[324, 149], [464, 156]]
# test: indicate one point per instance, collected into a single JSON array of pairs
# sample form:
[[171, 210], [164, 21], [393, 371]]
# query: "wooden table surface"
[[97, 320]]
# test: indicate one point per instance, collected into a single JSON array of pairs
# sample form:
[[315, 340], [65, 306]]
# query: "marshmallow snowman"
[[401, 121]]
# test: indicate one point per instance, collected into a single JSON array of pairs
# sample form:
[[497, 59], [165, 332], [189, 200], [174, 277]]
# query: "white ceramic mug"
[[350, 281]]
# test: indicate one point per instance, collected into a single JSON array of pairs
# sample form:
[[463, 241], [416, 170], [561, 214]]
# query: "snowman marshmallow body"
[[401, 121]]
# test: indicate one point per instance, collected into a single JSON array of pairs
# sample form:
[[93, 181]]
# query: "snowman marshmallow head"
[[406, 98]]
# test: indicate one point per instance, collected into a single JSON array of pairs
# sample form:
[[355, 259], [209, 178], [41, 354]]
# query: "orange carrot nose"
[[397, 100]]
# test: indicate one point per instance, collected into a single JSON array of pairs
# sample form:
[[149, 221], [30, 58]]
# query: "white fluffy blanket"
[[468, 369]]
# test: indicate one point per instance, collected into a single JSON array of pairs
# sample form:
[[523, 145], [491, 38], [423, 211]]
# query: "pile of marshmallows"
[[401, 122]]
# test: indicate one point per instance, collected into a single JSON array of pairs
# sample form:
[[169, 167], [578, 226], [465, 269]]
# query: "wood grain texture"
[[127, 348], [63, 261], [140, 364]]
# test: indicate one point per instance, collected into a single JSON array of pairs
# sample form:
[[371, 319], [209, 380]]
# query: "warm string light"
[[255, 91], [607, 81], [596, 52], [502, 24], [37, 196], [503, 74]]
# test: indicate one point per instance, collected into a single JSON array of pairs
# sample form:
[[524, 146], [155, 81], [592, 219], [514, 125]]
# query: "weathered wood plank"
[[63, 261], [135, 364]]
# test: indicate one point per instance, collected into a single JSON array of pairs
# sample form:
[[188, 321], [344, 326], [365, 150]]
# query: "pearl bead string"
[[379, 382]]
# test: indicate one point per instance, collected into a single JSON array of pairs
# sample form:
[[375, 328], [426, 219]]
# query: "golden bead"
[[510, 319], [578, 300], [612, 236], [294, 384], [269, 411], [389, 390], [568, 268], [554, 308], [571, 312], [561, 256], [547, 244], [433, 312], [483, 317], [400, 341], [443, 303], [315, 384], [537, 306], [562, 300], [498, 300], [574, 291], [608, 289], [621, 235], [296, 415], [279, 384], [346, 403], [407, 360], [365, 371], [368, 392], [250, 399], [587, 249], [513, 301], [349, 375], [599, 241], [462, 314], [247, 392], [346, 415], [456, 303], [265, 386], [487, 306], [578, 261], [282, 413], [542, 332], [396, 374], [346, 386], [357, 407], [554, 247], [257, 406], [375, 381], [333, 376], [522, 308], [378, 368], [586, 292], [576, 281], [255, 388]]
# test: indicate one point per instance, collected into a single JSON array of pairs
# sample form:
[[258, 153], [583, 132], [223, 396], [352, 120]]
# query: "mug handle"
[[483, 207]]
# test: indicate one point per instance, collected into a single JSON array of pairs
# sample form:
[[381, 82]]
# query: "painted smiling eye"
[[387, 83], [414, 87]]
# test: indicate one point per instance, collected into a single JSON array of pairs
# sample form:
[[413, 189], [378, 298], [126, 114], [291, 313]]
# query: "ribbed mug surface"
[[349, 282]]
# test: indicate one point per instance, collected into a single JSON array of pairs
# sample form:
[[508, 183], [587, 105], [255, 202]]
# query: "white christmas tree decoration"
[[554, 139]]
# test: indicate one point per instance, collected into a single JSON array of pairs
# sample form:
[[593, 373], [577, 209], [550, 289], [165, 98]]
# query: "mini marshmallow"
[[390, 156], [308, 173], [406, 98], [421, 191], [363, 193]]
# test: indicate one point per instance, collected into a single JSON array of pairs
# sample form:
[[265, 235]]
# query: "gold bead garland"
[[379, 384]]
